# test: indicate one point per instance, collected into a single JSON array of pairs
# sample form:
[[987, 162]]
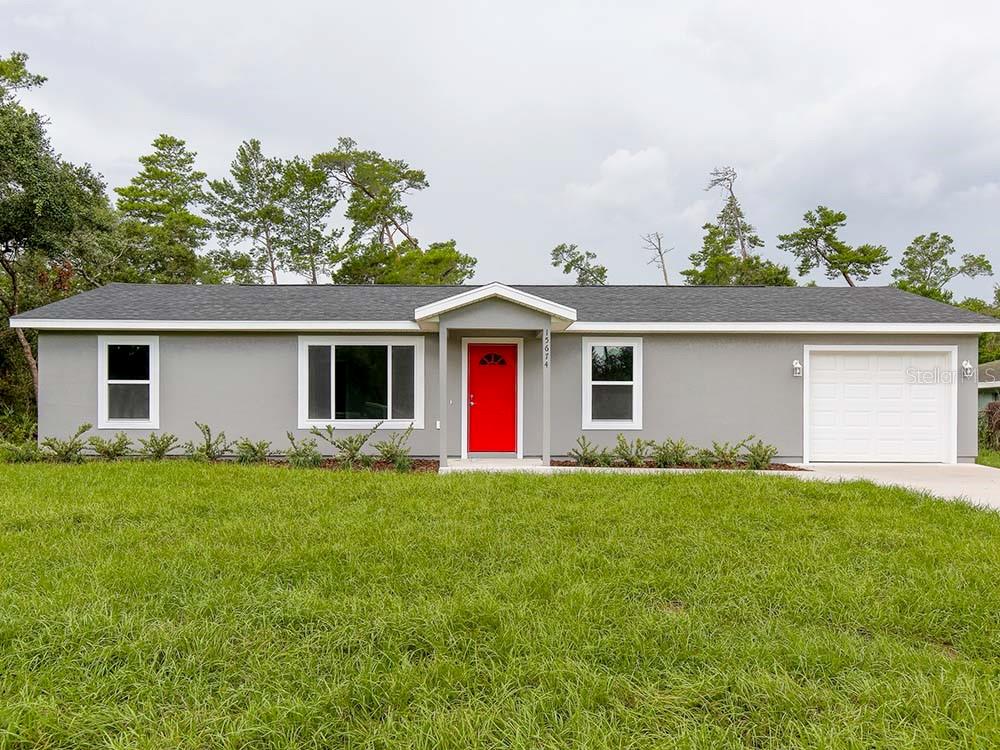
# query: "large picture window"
[[354, 381], [612, 384], [128, 382]]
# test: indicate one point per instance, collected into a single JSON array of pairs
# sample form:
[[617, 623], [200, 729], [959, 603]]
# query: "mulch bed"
[[650, 465], [418, 465]]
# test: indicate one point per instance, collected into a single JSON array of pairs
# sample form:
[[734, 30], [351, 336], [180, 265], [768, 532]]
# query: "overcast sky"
[[545, 122]]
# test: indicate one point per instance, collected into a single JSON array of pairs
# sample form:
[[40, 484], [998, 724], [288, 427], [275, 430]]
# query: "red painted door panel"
[[492, 398]]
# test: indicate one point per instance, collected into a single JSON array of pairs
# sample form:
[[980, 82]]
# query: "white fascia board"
[[214, 325], [771, 327], [501, 291], [987, 385]]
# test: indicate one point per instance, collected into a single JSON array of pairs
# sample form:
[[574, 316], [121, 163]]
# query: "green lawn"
[[989, 458], [197, 606]]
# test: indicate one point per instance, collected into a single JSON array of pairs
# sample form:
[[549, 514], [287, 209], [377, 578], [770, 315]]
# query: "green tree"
[[926, 268], [308, 199], [989, 343], [375, 188], [248, 216], [55, 219], [440, 263], [716, 264], [380, 248], [817, 245], [731, 218], [158, 215], [581, 262], [727, 256], [14, 75]]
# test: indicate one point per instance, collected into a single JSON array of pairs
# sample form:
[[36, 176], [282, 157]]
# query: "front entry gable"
[[560, 316]]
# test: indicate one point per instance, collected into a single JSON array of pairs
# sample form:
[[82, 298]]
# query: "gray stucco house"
[[825, 374]]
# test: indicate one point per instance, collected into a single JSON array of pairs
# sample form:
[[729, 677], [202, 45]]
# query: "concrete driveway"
[[977, 484]]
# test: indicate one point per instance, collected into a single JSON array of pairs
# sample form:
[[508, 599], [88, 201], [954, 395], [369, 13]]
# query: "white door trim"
[[952, 350], [465, 388]]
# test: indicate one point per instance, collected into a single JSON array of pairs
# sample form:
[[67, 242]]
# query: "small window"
[[612, 384], [128, 382], [360, 381]]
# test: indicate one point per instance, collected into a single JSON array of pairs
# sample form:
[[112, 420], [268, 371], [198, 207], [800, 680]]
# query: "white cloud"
[[624, 177]]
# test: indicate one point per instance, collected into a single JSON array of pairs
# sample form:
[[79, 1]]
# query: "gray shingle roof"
[[593, 304]]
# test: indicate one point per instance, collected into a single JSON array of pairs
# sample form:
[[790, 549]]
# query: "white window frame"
[[589, 423], [104, 422], [417, 342]]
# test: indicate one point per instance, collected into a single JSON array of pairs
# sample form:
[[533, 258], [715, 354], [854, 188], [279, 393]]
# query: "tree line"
[[729, 257]]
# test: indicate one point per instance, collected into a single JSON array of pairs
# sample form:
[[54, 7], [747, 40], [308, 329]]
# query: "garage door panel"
[[866, 406]]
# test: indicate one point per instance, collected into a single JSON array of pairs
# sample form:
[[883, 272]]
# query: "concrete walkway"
[[979, 485], [973, 483]]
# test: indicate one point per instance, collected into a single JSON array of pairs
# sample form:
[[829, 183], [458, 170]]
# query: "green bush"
[[704, 458], [252, 452], [24, 452], [672, 453], [303, 454], [632, 453], [588, 454], [989, 426], [729, 454], [69, 450], [349, 450], [759, 455], [17, 426], [395, 450], [111, 449], [209, 448], [156, 447]]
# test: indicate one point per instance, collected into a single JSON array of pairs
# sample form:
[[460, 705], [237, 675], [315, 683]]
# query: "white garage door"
[[880, 406]]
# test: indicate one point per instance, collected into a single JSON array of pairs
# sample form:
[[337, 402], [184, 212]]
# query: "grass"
[[179, 605], [989, 458]]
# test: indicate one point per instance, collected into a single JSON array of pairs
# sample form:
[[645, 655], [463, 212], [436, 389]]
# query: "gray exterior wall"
[[701, 387]]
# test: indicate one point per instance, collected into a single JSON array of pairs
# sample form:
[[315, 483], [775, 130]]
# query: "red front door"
[[492, 398]]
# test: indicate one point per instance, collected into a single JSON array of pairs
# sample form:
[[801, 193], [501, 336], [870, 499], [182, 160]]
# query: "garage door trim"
[[951, 350]]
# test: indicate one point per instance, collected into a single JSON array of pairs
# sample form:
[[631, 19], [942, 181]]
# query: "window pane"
[[611, 363], [362, 382], [611, 402], [128, 401], [319, 382], [402, 382], [128, 362]]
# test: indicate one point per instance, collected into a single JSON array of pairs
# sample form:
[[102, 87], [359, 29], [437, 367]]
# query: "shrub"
[[989, 426], [704, 458], [17, 426], [672, 453], [250, 452], [111, 449], [156, 447], [632, 453], [24, 452], [208, 448], [69, 450], [303, 454], [729, 454], [395, 450], [349, 450], [588, 454], [759, 455]]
